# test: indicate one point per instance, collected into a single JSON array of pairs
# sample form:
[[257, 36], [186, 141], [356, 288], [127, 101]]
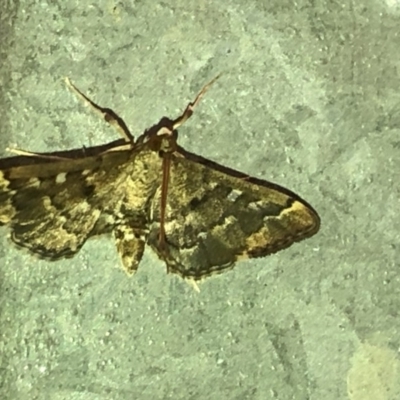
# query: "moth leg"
[[106, 113], [130, 243], [187, 113], [193, 284], [191, 106]]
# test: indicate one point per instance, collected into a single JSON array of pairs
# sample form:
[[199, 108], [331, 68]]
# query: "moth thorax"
[[167, 140], [167, 145]]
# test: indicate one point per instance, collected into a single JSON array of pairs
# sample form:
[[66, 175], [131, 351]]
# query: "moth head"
[[162, 137]]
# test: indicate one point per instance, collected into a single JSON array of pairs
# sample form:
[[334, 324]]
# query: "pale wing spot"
[[7, 212], [295, 207], [3, 182], [34, 182], [47, 202], [128, 235], [234, 195], [61, 177], [300, 213], [110, 220], [230, 219], [212, 185], [202, 235], [256, 205], [83, 207], [229, 224]]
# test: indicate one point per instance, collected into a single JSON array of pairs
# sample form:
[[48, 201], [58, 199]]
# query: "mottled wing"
[[216, 216], [52, 205]]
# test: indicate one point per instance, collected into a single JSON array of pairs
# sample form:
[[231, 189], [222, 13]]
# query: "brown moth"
[[198, 216]]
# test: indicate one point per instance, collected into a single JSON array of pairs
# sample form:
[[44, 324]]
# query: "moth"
[[199, 217]]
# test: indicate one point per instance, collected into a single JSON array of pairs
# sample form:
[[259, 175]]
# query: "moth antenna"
[[110, 116], [191, 106]]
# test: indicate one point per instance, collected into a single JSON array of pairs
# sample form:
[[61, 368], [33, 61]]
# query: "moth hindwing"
[[198, 216]]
